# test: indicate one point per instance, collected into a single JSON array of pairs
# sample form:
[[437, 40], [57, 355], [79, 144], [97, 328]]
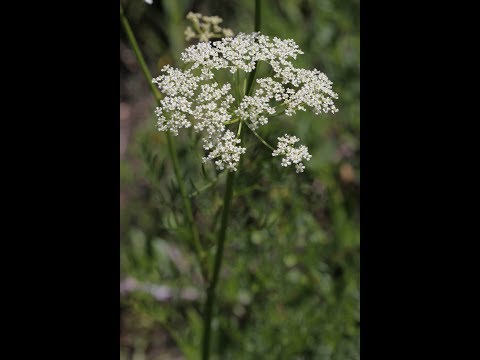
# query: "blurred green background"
[[289, 287]]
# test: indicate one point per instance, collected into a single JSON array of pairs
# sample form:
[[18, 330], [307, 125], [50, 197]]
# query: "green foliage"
[[289, 286]]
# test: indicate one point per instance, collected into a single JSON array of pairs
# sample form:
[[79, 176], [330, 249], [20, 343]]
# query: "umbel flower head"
[[205, 27], [195, 97]]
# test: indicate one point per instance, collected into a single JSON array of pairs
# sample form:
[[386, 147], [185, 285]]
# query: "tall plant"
[[222, 112]]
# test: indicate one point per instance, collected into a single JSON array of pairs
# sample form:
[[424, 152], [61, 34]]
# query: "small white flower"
[[149, 2]]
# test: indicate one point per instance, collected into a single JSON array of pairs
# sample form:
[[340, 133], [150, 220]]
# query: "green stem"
[[138, 54], [261, 139], [231, 122], [171, 147], [258, 14], [207, 325], [207, 320], [207, 186], [251, 78]]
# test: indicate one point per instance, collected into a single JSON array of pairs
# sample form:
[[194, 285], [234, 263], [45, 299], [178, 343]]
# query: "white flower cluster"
[[241, 52], [195, 97], [291, 154], [206, 28], [227, 152]]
